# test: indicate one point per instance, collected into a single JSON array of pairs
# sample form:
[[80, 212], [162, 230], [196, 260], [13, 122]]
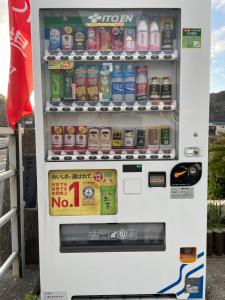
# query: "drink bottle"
[[142, 34], [117, 85], [141, 84], [154, 36], [129, 84], [129, 39], [167, 37], [104, 84]]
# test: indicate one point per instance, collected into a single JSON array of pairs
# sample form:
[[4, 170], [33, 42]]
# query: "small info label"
[[55, 296], [192, 38], [182, 192]]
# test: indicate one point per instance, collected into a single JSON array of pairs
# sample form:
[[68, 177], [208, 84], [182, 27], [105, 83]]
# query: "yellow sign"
[[60, 65], [82, 192]]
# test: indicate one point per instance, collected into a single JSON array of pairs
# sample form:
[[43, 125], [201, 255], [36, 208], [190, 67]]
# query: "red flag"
[[20, 84]]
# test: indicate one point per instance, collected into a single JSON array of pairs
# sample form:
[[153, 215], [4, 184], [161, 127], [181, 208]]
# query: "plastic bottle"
[[129, 84], [141, 84], [142, 34], [167, 37], [154, 36], [129, 39], [104, 84], [117, 85]]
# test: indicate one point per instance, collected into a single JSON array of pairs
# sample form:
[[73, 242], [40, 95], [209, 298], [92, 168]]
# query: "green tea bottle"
[[108, 196], [56, 85]]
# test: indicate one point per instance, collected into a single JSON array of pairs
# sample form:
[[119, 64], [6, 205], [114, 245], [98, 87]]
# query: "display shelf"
[[75, 107], [131, 154], [110, 56]]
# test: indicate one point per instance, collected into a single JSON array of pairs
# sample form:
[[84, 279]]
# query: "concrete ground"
[[16, 288]]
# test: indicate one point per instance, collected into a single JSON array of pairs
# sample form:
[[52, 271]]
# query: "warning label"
[[182, 192]]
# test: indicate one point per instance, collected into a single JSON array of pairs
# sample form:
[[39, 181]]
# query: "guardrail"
[[15, 214]]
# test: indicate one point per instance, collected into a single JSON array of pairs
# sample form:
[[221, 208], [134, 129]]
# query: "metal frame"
[[16, 213]]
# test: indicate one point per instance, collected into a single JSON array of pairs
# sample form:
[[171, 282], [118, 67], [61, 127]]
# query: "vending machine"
[[121, 108]]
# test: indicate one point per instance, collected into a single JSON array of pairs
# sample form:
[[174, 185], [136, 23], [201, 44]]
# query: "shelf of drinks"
[[88, 56], [104, 155], [82, 106]]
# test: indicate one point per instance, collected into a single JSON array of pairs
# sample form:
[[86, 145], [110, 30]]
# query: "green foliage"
[[30, 297], [216, 181], [215, 215]]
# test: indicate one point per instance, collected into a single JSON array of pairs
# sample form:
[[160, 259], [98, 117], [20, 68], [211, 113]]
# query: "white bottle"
[[129, 84], [154, 36], [117, 85], [142, 34]]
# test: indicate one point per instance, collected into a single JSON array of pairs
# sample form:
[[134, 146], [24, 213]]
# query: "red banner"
[[20, 84]]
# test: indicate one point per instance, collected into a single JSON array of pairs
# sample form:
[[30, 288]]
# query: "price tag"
[[60, 65]]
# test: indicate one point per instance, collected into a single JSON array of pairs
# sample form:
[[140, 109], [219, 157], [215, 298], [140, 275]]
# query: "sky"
[[217, 82]]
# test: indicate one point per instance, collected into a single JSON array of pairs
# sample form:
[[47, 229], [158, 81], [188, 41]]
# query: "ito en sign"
[[82, 192]]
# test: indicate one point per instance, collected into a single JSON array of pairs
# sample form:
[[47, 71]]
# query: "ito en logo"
[[95, 18]]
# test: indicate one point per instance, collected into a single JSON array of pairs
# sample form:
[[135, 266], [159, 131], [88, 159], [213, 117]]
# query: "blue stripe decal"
[[195, 270], [189, 274], [201, 254], [175, 283]]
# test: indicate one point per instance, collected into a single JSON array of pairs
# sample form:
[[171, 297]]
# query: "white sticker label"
[[55, 296], [182, 192]]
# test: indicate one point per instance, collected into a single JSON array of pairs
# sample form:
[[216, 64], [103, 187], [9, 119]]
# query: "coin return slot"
[[188, 255]]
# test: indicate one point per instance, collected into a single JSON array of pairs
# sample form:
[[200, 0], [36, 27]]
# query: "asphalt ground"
[[15, 288]]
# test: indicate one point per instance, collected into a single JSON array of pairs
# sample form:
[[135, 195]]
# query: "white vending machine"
[[121, 108]]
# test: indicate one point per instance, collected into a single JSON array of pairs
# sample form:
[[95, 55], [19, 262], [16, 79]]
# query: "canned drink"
[[141, 138], [166, 89], [67, 38], [69, 137], [54, 39], [92, 83], [165, 136], [81, 138], [73, 88], [154, 88], [117, 38], [153, 138], [80, 38], [105, 39], [93, 138], [81, 83], [105, 138], [68, 81], [117, 138], [57, 137], [56, 85], [129, 138]]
